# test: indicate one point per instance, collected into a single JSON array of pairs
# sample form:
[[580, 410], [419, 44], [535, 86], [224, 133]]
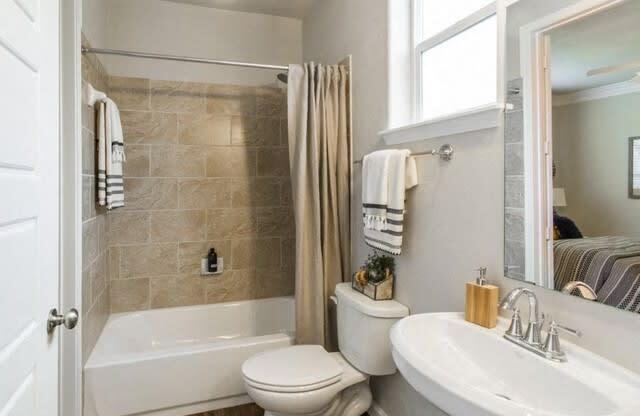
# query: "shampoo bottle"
[[212, 260]]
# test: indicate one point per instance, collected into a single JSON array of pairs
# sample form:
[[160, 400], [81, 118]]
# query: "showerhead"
[[283, 77]]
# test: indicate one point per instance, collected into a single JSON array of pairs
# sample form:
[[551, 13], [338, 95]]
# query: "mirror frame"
[[632, 190], [537, 129]]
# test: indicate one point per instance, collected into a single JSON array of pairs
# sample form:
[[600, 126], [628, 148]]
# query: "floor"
[[244, 410]]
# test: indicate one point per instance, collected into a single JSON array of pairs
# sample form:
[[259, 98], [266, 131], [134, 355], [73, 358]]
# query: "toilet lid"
[[292, 369]]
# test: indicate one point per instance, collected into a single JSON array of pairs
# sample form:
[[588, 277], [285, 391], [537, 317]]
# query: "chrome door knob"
[[69, 320]]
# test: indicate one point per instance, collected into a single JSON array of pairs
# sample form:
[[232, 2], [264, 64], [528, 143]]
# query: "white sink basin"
[[468, 370]]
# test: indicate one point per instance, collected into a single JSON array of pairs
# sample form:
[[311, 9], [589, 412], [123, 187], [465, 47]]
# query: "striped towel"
[[110, 155], [386, 175]]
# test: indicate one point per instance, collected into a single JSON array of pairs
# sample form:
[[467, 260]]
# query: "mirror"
[[572, 148], [634, 167]]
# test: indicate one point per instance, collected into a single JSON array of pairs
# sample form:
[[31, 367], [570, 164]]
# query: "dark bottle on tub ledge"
[[212, 260]]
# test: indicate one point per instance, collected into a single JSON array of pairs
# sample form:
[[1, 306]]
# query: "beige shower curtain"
[[319, 153]]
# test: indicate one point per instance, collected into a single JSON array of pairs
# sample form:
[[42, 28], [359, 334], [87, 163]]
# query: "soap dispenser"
[[481, 304]]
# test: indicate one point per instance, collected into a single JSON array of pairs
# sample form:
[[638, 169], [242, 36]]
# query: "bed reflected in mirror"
[[572, 152]]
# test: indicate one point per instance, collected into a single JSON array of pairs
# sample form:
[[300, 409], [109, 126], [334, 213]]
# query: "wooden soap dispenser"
[[481, 303]]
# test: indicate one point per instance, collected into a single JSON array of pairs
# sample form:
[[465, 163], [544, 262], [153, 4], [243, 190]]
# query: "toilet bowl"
[[306, 380]]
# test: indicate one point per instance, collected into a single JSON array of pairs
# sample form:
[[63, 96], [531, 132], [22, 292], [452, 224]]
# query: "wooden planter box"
[[377, 291]]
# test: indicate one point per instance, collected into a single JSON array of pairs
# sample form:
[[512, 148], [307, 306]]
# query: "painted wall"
[[455, 216], [94, 22], [591, 151], [182, 29]]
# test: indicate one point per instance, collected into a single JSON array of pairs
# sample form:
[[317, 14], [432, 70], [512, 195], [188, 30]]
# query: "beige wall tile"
[[232, 285], [177, 161], [202, 128], [274, 282], [288, 253], [276, 222], [176, 96], [114, 262], [150, 193], [226, 162], [231, 223], [129, 295], [273, 162], [143, 127], [86, 290], [88, 152], [129, 93], [267, 254], [231, 100], [128, 227], [190, 254], [286, 193], [98, 277], [243, 253], [148, 260], [93, 322], [284, 132], [88, 117], [137, 164], [88, 197], [271, 102], [255, 192], [255, 131], [186, 225], [176, 291], [90, 242], [204, 193]]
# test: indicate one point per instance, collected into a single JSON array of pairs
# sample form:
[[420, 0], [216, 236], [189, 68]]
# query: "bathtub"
[[181, 361]]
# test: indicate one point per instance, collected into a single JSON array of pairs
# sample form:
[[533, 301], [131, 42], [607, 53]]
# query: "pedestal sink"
[[467, 370]]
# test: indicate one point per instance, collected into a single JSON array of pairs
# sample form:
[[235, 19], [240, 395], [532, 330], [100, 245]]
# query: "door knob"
[[69, 320]]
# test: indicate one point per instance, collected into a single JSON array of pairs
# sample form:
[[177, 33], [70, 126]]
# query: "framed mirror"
[[572, 148], [634, 167]]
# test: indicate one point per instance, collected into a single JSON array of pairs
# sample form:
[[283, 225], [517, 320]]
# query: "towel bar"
[[445, 152]]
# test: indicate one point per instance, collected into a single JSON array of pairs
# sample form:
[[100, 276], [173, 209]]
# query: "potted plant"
[[375, 277]]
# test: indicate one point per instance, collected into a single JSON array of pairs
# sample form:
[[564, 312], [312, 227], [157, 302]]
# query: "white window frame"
[[431, 42]]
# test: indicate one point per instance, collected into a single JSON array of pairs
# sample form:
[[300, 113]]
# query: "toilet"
[[306, 380]]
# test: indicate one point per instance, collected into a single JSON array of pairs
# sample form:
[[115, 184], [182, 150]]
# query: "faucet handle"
[[552, 344], [515, 328]]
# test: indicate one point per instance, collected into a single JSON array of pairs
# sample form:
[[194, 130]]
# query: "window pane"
[[438, 15], [461, 73]]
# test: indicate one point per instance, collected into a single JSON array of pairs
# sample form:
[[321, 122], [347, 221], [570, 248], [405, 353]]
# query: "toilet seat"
[[297, 369]]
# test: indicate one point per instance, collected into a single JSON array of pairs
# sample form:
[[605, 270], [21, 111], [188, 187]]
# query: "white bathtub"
[[180, 361]]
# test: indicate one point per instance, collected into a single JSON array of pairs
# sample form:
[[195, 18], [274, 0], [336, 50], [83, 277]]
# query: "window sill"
[[479, 118]]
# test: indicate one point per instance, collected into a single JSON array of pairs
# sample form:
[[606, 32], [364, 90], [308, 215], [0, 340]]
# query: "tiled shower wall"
[[207, 166], [514, 262], [95, 283]]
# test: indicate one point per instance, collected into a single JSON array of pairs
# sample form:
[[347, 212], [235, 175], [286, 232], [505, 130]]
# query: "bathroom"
[[209, 165]]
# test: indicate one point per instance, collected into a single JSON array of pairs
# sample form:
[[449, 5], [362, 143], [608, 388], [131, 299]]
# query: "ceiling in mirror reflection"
[[605, 39]]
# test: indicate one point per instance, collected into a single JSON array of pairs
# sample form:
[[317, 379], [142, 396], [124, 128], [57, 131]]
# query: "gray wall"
[[455, 215], [591, 151]]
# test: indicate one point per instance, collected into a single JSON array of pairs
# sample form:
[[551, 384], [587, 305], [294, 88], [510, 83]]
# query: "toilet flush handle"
[[334, 299]]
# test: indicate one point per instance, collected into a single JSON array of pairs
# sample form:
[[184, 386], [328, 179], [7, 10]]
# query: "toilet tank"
[[363, 330]]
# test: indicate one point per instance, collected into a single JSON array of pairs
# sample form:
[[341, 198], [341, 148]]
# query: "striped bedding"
[[610, 265]]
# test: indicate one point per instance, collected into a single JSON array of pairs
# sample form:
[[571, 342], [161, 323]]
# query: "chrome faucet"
[[531, 340], [533, 334]]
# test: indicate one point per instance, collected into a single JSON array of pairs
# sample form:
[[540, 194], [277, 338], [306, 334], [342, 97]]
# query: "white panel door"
[[29, 144]]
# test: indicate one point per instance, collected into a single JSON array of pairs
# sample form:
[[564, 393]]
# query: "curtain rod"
[[182, 58]]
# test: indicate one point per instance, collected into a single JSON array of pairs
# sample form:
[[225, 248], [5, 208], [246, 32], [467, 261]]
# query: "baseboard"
[[376, 410]]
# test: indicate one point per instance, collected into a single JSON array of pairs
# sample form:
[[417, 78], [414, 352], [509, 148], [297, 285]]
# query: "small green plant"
[[379, 266]]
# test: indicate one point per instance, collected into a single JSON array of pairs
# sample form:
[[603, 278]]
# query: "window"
[[455, 56]]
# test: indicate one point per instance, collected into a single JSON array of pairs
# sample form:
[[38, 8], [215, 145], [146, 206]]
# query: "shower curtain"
[[319, 154]]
